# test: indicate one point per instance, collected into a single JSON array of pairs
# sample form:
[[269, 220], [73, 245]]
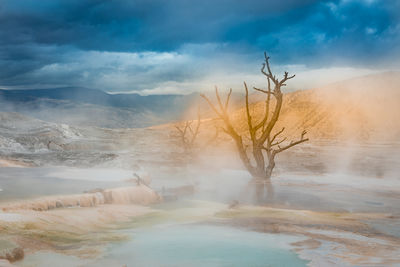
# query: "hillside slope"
[[366, 108], [361, 109]]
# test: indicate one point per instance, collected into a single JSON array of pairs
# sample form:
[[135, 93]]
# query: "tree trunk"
[[270, 168], [262, 180], [259, 159]]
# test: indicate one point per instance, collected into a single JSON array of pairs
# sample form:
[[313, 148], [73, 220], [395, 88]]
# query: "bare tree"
[[188, 134], [265, 142]]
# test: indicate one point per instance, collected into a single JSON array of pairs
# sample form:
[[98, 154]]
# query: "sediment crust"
[[141, 195]]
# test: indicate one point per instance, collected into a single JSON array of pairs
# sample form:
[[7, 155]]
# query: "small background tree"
[[188, 133]]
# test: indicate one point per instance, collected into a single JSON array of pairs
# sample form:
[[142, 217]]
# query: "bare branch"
[[266, 114], [278, 133], [268, 73], [302, 140], [285, 78], [279, 142], [289, 146], [223, 111], [227, 99], [303, 133], [179, 129], [249, 119], [183, 129], [275, 114], [191, 130], [263, 91]]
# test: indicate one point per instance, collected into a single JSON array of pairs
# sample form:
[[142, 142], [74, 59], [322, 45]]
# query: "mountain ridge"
[[85, 106]]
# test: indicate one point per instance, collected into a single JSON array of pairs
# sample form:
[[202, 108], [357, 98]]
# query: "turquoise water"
[[203, 245], [185, 245], [173, 236]]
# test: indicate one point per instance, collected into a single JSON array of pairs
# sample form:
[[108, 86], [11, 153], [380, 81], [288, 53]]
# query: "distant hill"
[[361, 109], [365, 108], [83, 106]]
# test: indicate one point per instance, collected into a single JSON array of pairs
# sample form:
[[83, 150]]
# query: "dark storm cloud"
[[130, 25], [52, 42]]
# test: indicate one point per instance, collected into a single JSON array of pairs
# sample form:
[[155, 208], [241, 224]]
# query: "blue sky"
[[181, 46]]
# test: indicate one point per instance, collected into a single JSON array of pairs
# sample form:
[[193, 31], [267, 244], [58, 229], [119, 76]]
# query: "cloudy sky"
[[181, 46]]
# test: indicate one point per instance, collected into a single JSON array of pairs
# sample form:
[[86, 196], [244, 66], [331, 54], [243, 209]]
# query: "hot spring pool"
[[204, 245], [187, 245]]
